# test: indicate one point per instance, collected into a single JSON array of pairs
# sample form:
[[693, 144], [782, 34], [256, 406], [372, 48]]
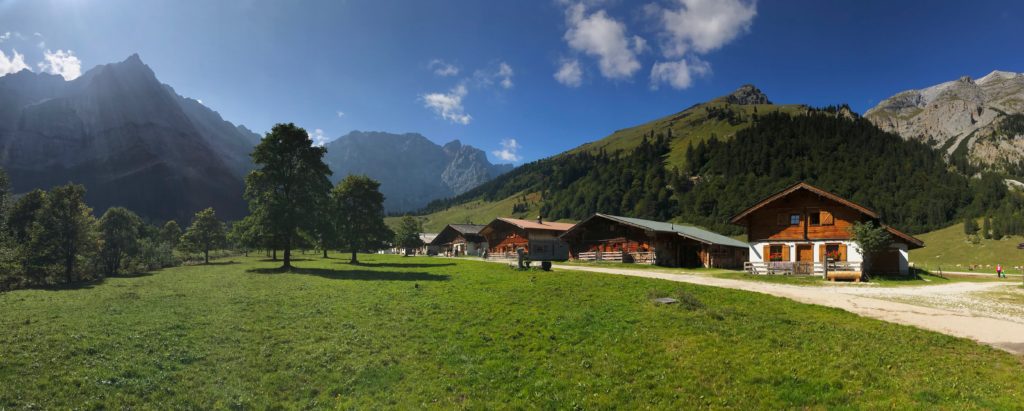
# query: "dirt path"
[[952, 309]]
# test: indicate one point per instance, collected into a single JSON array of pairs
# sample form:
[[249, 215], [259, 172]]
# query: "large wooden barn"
[[633, 240], [460, 240], [505, 235], [802, 228]]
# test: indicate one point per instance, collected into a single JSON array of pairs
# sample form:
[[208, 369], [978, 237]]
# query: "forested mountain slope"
[[908, 182], [721, 117]]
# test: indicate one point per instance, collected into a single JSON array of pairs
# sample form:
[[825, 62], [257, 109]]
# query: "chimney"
[[540, 220]]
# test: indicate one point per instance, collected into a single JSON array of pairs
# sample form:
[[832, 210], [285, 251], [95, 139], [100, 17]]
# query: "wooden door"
[[804, 259], [804, 253]]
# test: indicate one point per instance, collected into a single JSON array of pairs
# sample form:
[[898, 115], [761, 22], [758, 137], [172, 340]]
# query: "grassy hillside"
[[478, 212], [691, 126], [949, 249], [404, 333]]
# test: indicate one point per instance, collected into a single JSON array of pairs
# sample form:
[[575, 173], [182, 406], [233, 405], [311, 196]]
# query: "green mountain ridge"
[[702, 165]]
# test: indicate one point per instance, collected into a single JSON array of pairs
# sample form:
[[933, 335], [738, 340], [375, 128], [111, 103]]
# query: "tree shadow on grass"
[[396, 265], [280, 259], [355, 274]]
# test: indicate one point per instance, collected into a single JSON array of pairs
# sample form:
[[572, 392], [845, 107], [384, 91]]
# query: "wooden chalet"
[[460, 240], [603, 237], [806, 230], [505, 235]]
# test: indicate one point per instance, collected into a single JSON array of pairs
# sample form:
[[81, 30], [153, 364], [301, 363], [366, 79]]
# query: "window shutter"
[[767, 253], [821, 253], [842, 252], [826, 218], [785, 252]]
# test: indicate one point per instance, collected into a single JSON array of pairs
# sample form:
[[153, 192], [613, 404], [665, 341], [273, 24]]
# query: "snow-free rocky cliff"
[[961, 117]]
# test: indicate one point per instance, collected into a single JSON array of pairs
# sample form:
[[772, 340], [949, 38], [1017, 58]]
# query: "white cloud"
[[678, 74], [5, 36], [601, 36], [13, 64], [443, 69], [705, 25], [509, 150], [570, 73], [61, 62], [505, 74], [341, 114], [318, 137], [449, 105], [696, 27]]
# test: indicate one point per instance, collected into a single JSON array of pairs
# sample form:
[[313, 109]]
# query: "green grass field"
[[948, 248], [439, 333]]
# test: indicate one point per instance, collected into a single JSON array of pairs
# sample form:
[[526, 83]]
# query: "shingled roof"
[[533, 225], [471, 232], [683, 230]]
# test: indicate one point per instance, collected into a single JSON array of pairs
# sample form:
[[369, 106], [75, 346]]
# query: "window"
[[794, 219], [834, 252], [775, 253], [814, 217]]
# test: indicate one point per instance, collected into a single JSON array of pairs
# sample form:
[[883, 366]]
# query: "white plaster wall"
[[853, 254]]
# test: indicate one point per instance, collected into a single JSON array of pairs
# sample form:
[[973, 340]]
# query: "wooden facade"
[[804, 224], [460, 240], [505, 235], [641, 241]]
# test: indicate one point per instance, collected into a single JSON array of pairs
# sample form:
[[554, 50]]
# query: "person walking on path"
[[999, 271]]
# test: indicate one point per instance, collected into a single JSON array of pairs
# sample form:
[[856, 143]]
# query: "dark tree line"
[[51, 238]]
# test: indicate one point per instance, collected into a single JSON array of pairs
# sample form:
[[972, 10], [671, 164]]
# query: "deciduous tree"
[[290, 181], [119, 237], [408, 234], [359, 214], [170, 234], [63, 232], [206, 233]]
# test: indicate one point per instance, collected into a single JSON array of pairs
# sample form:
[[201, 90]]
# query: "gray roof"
[[688, 231], [467, 228]]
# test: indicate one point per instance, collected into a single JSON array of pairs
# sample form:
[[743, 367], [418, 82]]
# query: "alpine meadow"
[[666, 204]]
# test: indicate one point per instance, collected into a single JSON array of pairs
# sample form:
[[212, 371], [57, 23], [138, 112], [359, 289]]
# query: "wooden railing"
[[798, 267], [618, 256]]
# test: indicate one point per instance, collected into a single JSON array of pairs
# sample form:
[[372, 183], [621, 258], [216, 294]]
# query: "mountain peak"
[[999, 75], [133, 59], [748, 94]]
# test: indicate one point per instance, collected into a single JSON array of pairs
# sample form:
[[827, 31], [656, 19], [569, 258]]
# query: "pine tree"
[[970, 226]]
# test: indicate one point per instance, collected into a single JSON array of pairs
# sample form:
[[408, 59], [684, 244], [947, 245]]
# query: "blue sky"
[[485, 72]]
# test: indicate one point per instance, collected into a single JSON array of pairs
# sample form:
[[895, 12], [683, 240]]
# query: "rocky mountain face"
[[972, 121], [747, 94], [129, 139], [412, 170]]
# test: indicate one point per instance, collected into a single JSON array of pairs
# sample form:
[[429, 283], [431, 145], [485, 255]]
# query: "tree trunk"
[[354, 260], [287, 254], [275, 254], [206, 255], [325, 252]]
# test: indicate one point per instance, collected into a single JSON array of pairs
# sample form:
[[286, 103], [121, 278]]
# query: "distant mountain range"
[[129, 139], [977, 123], [134, 142], [412, 170]]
